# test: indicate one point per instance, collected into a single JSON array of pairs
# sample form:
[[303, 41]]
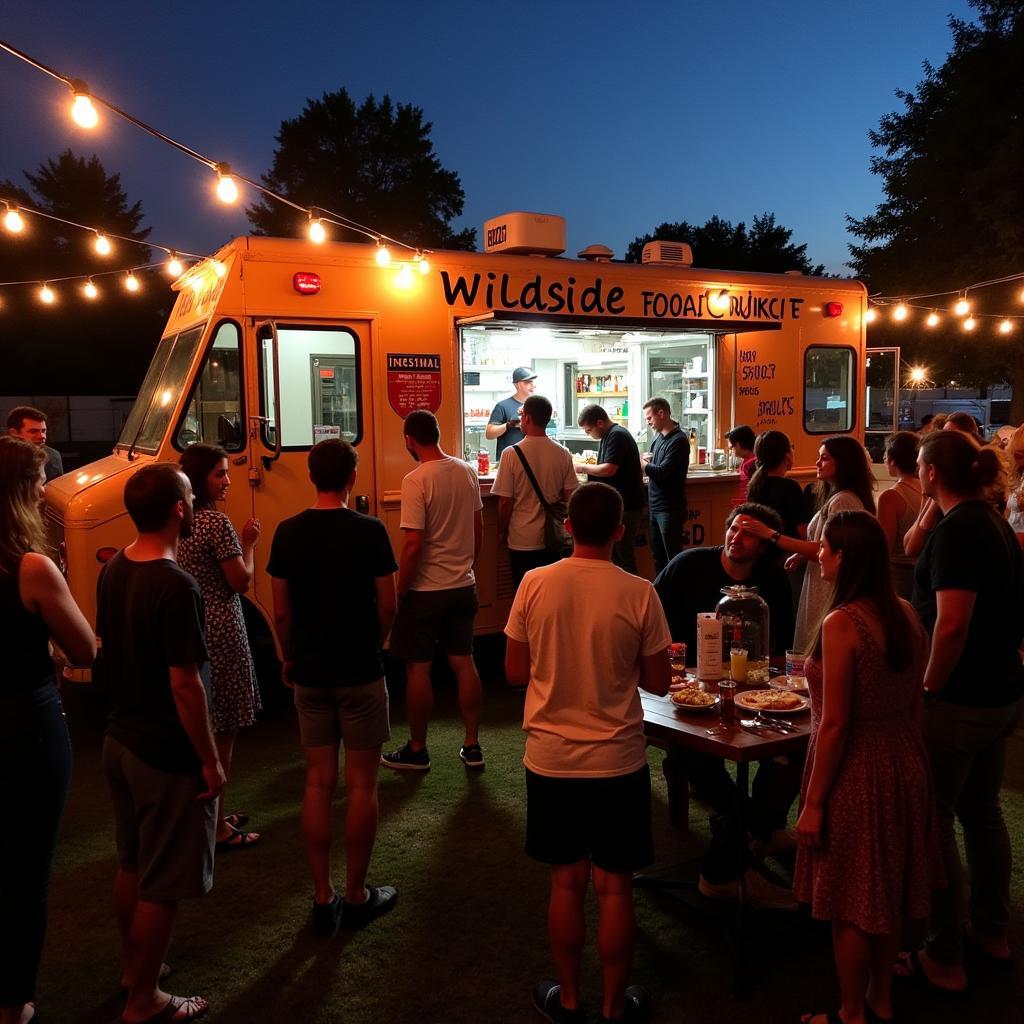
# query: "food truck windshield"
[[618, 370]]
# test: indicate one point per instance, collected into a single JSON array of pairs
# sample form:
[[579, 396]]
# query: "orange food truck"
[[275, 344]]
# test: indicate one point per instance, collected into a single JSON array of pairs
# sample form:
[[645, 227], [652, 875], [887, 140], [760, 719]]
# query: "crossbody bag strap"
[[532, 478]]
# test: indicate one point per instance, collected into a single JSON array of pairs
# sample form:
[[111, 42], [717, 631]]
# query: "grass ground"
[[467, 939]]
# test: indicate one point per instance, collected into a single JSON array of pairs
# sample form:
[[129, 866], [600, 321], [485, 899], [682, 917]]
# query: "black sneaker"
[[547, 997], [326, 916], [472, 755], [358, 915], [407, 760]]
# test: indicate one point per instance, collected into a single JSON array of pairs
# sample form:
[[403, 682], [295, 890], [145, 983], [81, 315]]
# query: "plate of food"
[[692, 698], [794, 684], [772, 702]]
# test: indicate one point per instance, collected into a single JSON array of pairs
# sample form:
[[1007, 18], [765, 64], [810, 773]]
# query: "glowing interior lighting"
[[227, 190], [404, 276], [131, 282], [317, 233], [962, 308], [83, 113], [90, 290], [870, 316], [900, 312], [46, 295], [1005, 326], [970, 323], [165, 397], [383, 256], [933, 319], [174, 266], [13, 221], [218, 268], [102, 244]]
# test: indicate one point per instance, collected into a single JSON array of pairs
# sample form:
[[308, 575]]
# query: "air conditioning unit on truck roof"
[[667, 254]]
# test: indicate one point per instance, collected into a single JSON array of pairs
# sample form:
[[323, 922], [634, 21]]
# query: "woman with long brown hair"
[[867, 829], [35, 750]]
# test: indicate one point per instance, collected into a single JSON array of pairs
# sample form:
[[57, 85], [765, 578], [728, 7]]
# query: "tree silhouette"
[[374, 164], [767, 247]]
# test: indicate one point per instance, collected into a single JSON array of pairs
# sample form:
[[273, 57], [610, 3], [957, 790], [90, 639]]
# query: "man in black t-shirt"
[[618, 464], [334, 603], [159, 755]]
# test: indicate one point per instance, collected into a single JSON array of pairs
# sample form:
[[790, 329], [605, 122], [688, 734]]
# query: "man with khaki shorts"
[[334, 602]]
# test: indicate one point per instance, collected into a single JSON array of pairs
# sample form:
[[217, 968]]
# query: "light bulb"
[[404, 276], [174, 265], [383, 256], [900, 312], [197, 283], [90, 290], [13, 221], [46, 295], [219, 269], [131, 282], [933, 319], [227, 190], [317, 233], [962, 307], [424, 266], [720, 300], [917, 374], [870, 316], [1005, 326], [102, 244], [970, 323], [83, 113]]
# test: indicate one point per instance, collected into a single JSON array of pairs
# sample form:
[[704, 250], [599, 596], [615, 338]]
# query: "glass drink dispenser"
[[744, 617]]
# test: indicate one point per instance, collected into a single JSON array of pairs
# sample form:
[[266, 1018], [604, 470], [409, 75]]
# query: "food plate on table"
[[693, 698], [794, 684], [772, 702]]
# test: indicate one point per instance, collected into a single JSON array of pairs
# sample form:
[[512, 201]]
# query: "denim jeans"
[[967, 750], [35, 771]]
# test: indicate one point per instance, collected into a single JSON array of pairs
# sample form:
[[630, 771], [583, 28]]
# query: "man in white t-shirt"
[[442, 526], [520, 514], [588, 787]]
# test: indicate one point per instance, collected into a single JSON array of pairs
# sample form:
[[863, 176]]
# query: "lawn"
[[467, 939]]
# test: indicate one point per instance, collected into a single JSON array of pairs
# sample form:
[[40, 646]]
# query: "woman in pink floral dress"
[[867, 828]]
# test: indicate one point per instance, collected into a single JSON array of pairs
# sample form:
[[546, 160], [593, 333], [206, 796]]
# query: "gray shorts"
[[434, 617], [354, 715], [164, 834]]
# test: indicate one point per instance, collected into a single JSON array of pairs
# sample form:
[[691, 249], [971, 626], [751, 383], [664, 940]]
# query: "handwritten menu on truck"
[[764, 395], [414, 382]]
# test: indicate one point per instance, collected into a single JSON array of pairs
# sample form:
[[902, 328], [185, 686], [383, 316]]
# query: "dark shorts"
[[354, 715], [606, 821], [164, 834], [429, 618]]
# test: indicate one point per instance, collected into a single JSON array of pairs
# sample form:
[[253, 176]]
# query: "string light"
[[933, 319], [970, 323], [90, 290], [174, 265], [423, 263], [870, 316], [404, 276], [102, 244], [900, 312], [227, 190], [13, 220], [131, 282], [317, 234], [383, 255], [962, 307], [46, 295], [1005, 326], [83, 113]]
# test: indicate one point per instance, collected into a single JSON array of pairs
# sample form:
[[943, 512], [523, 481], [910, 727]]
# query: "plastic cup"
[[795, 664], [738, 664]]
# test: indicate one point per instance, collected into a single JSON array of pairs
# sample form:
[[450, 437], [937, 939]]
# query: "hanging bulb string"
[[85, 277], [885, 299], [878, 304], [21, 208], [332, 217]]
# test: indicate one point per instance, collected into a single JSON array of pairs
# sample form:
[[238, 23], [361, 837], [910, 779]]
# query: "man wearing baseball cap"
[[504, 424]]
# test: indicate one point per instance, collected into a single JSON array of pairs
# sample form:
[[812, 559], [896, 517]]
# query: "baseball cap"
[[521, 373]]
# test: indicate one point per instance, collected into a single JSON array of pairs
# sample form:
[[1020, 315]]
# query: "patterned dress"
[[878, 861], [235, 695]]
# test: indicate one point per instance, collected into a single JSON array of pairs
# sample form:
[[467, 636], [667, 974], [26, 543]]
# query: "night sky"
[[615, 116]]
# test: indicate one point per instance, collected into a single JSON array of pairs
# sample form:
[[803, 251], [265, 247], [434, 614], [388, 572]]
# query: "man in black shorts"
[[333, 581], [159, 756], [588, 787]]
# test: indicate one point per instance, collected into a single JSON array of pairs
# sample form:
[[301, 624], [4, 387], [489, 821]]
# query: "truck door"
[[314, 383]]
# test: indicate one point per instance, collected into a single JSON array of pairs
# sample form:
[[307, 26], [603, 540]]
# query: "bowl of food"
[[693, 698]]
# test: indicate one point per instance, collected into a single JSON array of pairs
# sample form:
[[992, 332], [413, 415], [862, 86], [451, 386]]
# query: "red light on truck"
[[306, 283], [833, 309], [105, 554]]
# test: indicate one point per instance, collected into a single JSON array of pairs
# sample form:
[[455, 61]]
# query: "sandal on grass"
[[236, 840], [162, 975], [908, 967], [177, 1010], [237, 819]]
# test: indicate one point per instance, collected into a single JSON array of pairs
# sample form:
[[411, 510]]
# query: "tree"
[[766, 247], [374, 164], [952, 163]]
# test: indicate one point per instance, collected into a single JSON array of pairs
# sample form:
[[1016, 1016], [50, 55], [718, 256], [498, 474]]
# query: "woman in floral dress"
[[223, 567], [868, 833]]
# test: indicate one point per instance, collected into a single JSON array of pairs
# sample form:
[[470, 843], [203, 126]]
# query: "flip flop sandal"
[[913, 971], [238, 819], [237, 840], [162, 975], [178, 1010]]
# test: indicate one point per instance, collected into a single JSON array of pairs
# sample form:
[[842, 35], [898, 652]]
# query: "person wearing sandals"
[[868, 853], [35, 749], [223, 568]]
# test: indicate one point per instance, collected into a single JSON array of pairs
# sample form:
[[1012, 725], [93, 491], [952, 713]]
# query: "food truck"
[[275, 344]]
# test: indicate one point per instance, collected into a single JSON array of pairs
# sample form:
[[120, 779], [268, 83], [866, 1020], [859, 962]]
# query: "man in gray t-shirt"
[[504, 423]]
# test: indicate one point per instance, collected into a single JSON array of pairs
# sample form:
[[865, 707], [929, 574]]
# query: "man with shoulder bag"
[[534, 480]]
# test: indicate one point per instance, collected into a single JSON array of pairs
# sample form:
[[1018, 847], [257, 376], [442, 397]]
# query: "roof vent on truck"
[[667, 254], [596, 254]]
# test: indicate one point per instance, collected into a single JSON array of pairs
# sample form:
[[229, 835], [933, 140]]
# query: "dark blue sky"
[[616, 116]]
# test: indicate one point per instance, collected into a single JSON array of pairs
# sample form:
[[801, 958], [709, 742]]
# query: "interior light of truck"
[[962, 307], [317, 233], [1005, 326], [870, 316], [174, 265], [227, 190], [933, 319], [83, 113], [306, 283], [47, 295], [13, 221], [218, 268], [403, 279], [105, 554], [165, 396], [131, 282], [833, 309], [900, 312], [90, 290], [102, 244], [383, 256], [970, 323]]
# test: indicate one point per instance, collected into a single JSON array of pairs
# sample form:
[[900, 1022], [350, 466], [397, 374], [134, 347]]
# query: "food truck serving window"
[[829, 381], [166, 376], [214, 415]]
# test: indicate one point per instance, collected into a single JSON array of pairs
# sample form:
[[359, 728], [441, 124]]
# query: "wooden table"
[[674, 728]]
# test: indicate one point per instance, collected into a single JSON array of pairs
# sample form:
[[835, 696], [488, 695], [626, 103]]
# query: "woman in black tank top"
[[35, 751]]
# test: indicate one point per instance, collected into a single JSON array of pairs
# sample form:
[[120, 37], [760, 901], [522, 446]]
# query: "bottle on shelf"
[[597, 387], [693, 447]]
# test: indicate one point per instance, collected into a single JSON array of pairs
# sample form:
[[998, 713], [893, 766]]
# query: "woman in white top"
[[899, 506], [845, 481]]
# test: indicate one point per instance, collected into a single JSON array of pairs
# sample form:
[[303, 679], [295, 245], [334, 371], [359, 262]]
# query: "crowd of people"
[[910, 611]]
